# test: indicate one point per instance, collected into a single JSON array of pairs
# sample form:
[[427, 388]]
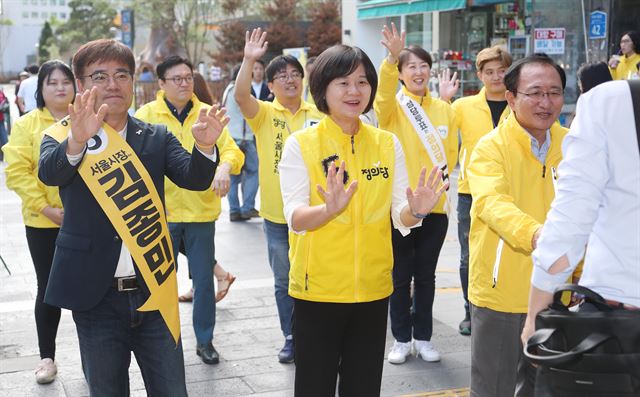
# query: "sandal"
[[186, 297], [223, 286]]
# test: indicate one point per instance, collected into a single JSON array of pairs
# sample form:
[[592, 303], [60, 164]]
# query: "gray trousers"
[[498, 366]]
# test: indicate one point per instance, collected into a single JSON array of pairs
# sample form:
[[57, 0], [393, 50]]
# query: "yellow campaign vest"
[[627, 68], [393, 119], [271, 126], [512, 193], [349, 259], [22, 153], [184, 205], [122, 186]]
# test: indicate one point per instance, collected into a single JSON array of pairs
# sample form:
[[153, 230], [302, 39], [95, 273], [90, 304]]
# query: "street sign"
[[598, 25], [549, 40]]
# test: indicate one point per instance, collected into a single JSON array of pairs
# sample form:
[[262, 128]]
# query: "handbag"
[[586, 353]]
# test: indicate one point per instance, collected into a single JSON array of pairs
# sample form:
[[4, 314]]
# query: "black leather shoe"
[[236, 217], [208, 353], [286, 355]]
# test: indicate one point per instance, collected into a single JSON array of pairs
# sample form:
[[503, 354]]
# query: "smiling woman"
[[341, 257]]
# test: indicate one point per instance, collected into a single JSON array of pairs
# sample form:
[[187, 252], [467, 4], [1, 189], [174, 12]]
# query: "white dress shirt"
[[125, 262], [27, 92], [294, 183], [597, 205]]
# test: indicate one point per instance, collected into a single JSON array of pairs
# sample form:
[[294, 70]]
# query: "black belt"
[[125, 283]]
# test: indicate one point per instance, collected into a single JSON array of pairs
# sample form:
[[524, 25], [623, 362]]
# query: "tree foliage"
[[325, 30], [46, 39], [184, 24], [283, 30], [88, 20]]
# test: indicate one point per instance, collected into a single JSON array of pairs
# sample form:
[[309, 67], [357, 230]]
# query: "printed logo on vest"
[[326, 162], [376, 170]]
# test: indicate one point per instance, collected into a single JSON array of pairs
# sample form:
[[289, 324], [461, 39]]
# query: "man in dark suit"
[[259, 88], [93, 273]]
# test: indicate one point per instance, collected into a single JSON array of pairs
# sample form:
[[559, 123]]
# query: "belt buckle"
[[122, 288]]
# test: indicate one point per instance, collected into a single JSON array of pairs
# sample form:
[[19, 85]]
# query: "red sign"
[[549, 33]]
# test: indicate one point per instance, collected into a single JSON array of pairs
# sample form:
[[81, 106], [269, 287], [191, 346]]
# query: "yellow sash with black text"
[[122, 186]]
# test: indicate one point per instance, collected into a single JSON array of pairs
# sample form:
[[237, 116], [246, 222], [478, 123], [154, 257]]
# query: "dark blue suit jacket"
[[264, 94], [88, 247]]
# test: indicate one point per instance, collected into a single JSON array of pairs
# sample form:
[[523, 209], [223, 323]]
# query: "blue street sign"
[[598, 25]]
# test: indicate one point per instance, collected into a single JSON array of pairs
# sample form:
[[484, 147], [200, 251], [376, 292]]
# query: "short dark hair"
[[415, 50], [32, 69], [260, 61], [102, 50], [593, 74], [512, 77], [635, 39], [168, 63], [279, 63], [43, 76], [335, 62], [235, 71]]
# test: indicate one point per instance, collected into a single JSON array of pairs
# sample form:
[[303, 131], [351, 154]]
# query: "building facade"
[[572, 32]]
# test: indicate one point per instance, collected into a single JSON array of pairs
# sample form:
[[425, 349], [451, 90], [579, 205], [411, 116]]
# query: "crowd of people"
[[354, 178]]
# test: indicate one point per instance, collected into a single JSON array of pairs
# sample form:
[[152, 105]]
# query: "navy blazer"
[[265, 94], [88, 247]]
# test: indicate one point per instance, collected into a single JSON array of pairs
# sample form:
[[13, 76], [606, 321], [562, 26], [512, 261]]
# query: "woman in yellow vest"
[[427, 130], [624, 65], [41, 206], [339, 222]]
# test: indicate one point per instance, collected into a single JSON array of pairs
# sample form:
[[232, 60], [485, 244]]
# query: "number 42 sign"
[[598, 25]]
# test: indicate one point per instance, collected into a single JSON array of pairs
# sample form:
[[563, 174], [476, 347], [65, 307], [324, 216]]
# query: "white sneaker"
[[426, 350], [399, 352], [46, 371]]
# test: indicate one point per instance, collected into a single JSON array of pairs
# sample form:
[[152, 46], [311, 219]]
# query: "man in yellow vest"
[[476, 116], [113, 212], [272, 123], [192, 215], [511, 176]]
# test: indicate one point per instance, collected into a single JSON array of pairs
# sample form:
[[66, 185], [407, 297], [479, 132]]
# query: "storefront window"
[[419, 30], [568, 52]]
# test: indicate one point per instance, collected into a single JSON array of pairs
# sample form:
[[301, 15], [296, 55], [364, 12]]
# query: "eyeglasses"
[[283, 77], [100, 78], [539, 95], [178, 80], [624, 41]]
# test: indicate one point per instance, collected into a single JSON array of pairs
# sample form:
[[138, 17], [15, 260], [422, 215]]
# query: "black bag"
[[586, 353]]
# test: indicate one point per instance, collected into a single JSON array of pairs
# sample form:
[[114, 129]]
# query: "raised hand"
[[336, 197], [426, 195], [209, 127], [255, 44], [448, 84], [393, 41], [85, 120]]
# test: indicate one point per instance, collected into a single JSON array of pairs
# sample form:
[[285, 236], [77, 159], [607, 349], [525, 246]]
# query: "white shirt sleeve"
[[400, 184], [213, 157], [294, 180], [582, 176]]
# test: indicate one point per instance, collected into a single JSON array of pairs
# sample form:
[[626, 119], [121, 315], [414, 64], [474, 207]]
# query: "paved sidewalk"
[[247, 333]]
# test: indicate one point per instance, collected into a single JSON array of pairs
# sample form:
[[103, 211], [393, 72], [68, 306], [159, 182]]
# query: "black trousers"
[[415, 257], [345, 339], [42, 245]]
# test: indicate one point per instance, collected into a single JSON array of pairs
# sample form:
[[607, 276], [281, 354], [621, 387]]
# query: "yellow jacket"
[[185, 205], [474, 121], [22, 153], [271, 126], [626, 68], [512, 192], [392, 118], [350, 258]]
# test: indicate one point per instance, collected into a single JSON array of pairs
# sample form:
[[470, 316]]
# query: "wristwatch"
[[419, 216]]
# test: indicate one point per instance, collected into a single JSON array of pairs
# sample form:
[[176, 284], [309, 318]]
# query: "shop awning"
[[488, 2], [390, 8]]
